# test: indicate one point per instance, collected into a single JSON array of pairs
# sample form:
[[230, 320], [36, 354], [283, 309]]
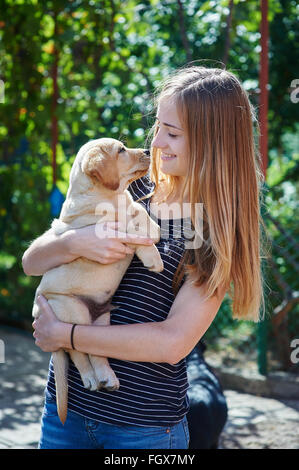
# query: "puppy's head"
[[110, 163]]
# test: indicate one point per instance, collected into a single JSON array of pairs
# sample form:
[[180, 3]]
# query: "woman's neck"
[[176, 195], [169, 207]]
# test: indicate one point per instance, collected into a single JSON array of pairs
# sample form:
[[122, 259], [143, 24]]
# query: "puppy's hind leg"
[[99, 313], [70, 310], [101, 366]]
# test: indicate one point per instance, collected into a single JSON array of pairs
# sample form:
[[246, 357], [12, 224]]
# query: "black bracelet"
[[72, 335]]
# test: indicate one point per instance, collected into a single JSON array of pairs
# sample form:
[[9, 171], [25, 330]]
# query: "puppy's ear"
[[100, 166]]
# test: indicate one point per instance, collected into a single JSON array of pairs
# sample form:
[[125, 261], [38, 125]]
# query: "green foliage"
[[282, 201], [111, 56]]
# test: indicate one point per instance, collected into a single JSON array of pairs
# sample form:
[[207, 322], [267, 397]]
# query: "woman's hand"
[[103, 242], [49, 332]]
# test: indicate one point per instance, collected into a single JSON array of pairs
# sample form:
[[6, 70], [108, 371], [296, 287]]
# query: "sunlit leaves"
[[111, 57]]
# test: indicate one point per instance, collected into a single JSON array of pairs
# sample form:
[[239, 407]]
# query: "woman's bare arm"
[[101, 243], [166, 341], [47, 252]]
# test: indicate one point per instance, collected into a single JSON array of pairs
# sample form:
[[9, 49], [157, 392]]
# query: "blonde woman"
[[202, 153]]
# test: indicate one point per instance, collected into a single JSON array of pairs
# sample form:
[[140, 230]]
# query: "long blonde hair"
[[224, 174]]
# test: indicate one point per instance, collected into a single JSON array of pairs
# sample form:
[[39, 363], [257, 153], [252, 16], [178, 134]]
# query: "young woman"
[[202, 152]]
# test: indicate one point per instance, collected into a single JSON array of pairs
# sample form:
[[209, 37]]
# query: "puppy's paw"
[[157, 267], [112, 384], [150, 257], [107, 379], [90, 381]]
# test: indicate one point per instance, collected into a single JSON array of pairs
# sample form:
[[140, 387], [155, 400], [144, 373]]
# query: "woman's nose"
[[158, 141]]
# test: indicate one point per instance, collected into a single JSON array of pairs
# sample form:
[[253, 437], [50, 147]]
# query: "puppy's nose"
[[147, 152]]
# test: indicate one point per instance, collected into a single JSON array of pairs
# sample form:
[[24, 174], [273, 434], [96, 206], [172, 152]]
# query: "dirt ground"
[[253, 422], [260, 423]]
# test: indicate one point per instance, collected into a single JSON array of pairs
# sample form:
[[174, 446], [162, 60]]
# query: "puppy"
[[80, 291]]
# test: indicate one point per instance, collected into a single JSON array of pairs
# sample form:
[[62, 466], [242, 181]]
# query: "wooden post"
[[262, 328]]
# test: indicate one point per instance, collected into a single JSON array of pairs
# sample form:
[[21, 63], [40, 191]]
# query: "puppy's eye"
[[121, 150]]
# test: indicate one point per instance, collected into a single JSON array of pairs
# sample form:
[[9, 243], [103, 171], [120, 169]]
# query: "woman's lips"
[[167, 157]]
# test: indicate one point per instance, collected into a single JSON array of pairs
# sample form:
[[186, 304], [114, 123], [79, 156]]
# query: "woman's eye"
[[173, 136]]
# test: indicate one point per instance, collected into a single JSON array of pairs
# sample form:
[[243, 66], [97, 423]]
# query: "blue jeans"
[[83, 433]]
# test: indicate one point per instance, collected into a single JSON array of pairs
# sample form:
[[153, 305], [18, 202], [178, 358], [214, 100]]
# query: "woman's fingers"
[[110, 244], [123, 236], [44, 304], [41, 300], [133, 239], [46, 327]]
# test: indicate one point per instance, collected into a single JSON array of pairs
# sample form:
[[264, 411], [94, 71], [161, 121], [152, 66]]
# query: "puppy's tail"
[[60, 363]]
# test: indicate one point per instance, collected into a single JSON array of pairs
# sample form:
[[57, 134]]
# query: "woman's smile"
[[167, 157]]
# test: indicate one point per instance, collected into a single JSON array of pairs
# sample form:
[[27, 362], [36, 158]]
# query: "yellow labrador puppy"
[[80, 291]]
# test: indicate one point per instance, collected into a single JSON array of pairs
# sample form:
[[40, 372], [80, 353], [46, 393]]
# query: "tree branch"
[[183, 31], [227, 43]]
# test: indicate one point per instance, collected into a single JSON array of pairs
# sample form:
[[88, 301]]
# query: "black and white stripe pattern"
[[150, 394]]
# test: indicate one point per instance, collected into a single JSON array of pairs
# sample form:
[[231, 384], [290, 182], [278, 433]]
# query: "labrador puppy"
[[81, 291]]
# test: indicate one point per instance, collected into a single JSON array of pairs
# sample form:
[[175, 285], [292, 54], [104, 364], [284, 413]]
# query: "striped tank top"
[[150, 394]]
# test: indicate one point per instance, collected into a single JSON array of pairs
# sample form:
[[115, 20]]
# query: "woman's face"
[[171, 140]]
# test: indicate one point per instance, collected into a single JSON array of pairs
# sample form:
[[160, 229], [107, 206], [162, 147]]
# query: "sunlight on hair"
[[224, 174]]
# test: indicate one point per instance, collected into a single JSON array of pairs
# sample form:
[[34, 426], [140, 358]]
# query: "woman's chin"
[[166, 170]]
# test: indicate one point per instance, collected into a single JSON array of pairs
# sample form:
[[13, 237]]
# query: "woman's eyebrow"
[[170, 125]]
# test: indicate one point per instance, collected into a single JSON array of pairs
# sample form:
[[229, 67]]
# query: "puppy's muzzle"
[[146, 157]]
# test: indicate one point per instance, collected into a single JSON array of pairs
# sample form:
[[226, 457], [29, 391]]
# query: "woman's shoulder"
[[141, 187]]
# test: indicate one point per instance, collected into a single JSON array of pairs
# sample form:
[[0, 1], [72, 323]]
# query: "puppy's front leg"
[[141, 224], [150, 257]]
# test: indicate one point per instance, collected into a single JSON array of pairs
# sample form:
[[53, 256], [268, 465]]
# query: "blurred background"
[[76, 70]]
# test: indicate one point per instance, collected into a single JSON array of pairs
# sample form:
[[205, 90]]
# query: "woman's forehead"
[[167, 112]]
